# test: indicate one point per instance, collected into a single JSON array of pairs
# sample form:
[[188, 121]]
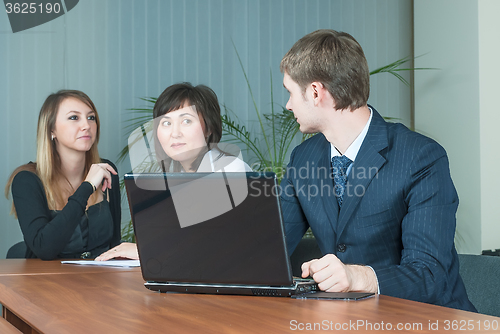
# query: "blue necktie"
[[340, 164]]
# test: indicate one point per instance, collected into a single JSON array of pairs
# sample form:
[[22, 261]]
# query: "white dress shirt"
[[353, 149]]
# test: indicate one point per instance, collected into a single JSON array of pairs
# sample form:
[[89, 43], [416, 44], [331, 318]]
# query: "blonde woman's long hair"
[[48, 161]]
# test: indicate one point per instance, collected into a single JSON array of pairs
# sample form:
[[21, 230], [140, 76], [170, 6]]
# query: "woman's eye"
[[73, 117], [91, 118], [165, 123], [186, 121]]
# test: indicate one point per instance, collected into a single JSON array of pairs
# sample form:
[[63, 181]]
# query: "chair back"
[[481, 276], [18, 251]]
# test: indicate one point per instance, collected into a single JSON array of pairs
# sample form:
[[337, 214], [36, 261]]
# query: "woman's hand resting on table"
[[126, 250]]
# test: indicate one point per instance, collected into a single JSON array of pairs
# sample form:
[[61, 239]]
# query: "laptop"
[[217, 233]]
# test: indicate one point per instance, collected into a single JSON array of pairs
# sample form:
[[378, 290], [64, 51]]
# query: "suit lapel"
[[366, 166]]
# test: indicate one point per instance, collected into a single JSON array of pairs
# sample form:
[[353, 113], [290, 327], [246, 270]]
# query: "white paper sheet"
[[110, 263]]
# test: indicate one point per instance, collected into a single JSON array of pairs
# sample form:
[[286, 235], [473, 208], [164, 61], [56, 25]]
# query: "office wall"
[[120, 50], [489, 121], [457, 105]]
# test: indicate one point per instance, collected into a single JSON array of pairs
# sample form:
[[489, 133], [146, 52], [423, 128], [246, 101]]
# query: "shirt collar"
[[353, 149]]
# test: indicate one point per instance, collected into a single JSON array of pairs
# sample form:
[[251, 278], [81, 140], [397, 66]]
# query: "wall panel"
[[120, 50]]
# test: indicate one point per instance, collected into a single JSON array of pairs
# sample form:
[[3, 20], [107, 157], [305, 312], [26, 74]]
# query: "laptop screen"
[[209, 228]]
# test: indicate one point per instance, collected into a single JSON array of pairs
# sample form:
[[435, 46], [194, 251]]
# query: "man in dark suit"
[[378, 197]]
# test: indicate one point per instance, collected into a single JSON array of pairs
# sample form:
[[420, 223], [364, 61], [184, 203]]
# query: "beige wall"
[[456, 105], [489, 90], [447, 100]]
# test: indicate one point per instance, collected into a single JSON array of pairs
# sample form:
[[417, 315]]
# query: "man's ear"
[[318, 91]]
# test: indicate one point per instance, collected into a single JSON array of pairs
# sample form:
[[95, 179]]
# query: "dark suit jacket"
[[398, 212]]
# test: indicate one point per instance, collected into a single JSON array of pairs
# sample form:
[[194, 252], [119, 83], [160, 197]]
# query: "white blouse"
[[213, 161]]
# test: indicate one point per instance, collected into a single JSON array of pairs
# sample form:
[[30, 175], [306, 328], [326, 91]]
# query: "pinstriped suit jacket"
[[398, 212]]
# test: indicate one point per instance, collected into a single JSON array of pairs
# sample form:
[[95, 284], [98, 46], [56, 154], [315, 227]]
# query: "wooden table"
[[38, 267], [7, 328], [114, 300]]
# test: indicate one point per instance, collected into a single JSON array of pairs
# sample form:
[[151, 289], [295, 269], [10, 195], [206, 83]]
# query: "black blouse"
[[92, 235], [72, 231]]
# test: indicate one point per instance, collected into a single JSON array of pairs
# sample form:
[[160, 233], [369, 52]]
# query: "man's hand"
[[334, 276]]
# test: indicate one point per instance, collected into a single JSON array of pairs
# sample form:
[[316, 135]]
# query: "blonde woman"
[[68, 202]]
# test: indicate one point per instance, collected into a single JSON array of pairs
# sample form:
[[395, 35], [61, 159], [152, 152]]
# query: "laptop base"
[[234, 289]]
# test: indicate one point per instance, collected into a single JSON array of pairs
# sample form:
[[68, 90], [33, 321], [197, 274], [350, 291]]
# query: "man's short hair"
[[336, 60]]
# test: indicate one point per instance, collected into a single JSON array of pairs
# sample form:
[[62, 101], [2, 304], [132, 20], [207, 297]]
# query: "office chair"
[[306, 250], [18, 251], [481, 276]]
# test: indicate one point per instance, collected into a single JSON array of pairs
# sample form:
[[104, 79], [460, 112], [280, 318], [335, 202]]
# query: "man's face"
[[302, 106]]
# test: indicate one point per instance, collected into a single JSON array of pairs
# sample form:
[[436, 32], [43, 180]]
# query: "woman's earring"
[[52, 137]]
